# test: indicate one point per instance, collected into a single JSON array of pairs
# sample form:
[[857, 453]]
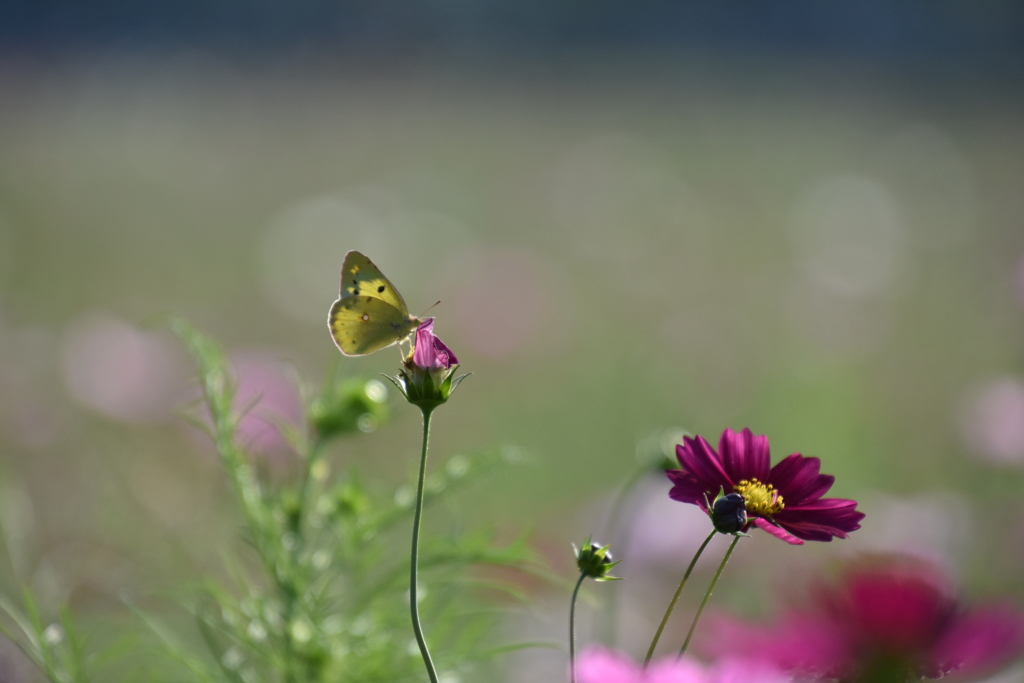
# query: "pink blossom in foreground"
[[784, 500], [887, 618], [597, 665]]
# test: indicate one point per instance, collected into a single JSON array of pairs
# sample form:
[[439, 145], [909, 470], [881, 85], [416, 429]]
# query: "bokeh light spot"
[[606, 183], [935, 183], [848, 235], [506, 298], [376, 391]]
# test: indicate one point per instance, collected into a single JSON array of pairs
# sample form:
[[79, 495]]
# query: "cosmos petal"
[[744, 455], [821, 520], [981, 640], [797, 479], [445, 356], [687, 489], [424, 355], [698, 458], [775, 531], [430, 352]]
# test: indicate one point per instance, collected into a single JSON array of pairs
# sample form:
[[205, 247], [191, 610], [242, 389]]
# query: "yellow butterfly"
[[370, 314]]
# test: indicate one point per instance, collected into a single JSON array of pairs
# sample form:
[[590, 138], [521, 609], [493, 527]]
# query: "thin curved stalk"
[[675, 598], [707, 596], [572, 629], [414, 607]]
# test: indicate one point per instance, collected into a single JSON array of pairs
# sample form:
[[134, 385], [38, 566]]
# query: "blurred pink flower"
[[888, 618], [268, 395], [784, 500], [597, 665], [992, 420], [121, 372]]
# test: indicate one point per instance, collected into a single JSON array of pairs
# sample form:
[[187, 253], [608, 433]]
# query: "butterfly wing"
[[364, 324], [360, 277]]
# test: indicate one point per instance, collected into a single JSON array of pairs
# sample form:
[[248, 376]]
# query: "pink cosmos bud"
[[430, 352], [427, 376]]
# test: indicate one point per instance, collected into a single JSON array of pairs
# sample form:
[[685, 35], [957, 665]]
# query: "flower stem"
[[675, 598], [414, 560], [291, 589], [313, 454], [707, 596], [572, 628]]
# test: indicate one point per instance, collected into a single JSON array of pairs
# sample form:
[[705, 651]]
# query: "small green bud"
[[349, 406], [350, 501], [291, 510], [595, 561]]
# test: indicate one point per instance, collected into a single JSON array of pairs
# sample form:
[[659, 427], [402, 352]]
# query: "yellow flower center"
[[760, 499]]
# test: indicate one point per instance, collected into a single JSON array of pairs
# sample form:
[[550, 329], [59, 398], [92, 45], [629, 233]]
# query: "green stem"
[[295, 556], [289, 646], [675, 598], [312, 457], [414, 561], [707, 596], [572, 629]]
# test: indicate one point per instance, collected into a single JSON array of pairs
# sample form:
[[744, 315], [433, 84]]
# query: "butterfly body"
[[370, 314]]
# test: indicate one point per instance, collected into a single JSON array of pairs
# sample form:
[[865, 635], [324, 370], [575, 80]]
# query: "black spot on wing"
[[380, 289]]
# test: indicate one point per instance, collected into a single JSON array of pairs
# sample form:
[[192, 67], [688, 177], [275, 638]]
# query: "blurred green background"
[[626, 237]]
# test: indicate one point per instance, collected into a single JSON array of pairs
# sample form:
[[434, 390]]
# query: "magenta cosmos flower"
[[597, 665], [784, 500], [886, 619]]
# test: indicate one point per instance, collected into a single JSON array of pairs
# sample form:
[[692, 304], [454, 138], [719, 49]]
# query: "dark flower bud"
[[595, 561], [729, 513]]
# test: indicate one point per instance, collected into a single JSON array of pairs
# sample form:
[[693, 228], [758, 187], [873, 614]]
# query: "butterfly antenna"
[[428, 310]]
